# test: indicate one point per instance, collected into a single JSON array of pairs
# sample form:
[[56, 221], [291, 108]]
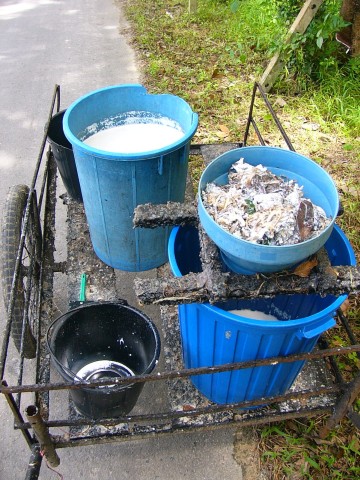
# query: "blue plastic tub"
[[113, 184], [212, 336], [245, 257]]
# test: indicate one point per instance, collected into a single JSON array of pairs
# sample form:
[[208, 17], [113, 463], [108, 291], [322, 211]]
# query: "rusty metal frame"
[[36, 432]]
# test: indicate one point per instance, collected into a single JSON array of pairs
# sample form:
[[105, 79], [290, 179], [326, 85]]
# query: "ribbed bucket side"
[[114, 183]]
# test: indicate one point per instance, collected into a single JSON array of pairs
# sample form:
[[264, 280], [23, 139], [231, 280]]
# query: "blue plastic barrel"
[[242, 256], [212, 336], [113, 184]]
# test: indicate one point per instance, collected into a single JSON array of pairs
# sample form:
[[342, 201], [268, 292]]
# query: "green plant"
[[315, 52], [292, 449]]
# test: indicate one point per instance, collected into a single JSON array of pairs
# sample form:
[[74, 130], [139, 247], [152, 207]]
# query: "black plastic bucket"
[[104, 340], [64, 156]]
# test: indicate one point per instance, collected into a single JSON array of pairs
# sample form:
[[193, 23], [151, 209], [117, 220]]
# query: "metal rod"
[[184, 373], [44, 182], [323, 344], [43, 435], [55, 98], [151, 430], [34, 259], [275, 117], [230, 408], [46, 285], [250, 116], [258, 87], [257, 131], [34, 466], [17, 415], [342, 406], [346, 325]]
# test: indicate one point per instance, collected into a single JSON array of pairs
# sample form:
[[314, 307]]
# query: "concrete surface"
[[79, 45]]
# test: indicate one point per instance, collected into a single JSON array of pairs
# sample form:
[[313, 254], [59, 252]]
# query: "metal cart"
[[28, 269]]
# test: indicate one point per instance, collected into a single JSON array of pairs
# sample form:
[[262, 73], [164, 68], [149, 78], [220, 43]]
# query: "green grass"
[[293, 450]]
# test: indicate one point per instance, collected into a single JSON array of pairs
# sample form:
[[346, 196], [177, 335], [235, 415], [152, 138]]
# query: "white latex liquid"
[[254, 314], [134, 137]]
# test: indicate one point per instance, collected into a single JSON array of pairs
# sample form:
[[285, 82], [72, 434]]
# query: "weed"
[[293, 450]]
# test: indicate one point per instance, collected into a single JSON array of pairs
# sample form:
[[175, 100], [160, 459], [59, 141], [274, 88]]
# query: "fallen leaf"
[[224, 129], [217, 74], [187, 408], [344, 307], [304, 269], [305, 218]]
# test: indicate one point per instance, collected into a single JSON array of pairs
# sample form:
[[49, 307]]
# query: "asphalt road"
[[81, 46]]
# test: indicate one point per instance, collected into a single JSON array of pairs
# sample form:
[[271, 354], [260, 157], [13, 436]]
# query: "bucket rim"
[[120, 303], [275, 324], [230, 238], [57, 115], [129, 156]]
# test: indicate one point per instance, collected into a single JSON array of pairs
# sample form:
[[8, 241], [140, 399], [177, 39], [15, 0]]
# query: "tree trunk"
[[350, 35]]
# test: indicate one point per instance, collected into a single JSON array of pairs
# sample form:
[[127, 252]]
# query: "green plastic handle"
[[82, 296]]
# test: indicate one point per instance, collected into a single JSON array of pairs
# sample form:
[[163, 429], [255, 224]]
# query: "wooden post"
[[302, 21], [192, 6]]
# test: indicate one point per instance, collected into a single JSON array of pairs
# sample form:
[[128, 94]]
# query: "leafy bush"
[[311, 55]]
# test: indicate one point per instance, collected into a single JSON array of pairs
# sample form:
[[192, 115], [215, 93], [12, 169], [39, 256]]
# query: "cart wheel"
[[26, 303]]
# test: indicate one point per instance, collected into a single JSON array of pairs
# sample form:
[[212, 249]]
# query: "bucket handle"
[[317, 330], [60, 365], [53, 356]]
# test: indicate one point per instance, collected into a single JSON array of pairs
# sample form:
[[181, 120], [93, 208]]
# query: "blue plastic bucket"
[[212, 336], [113, 184], [245, 257]]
